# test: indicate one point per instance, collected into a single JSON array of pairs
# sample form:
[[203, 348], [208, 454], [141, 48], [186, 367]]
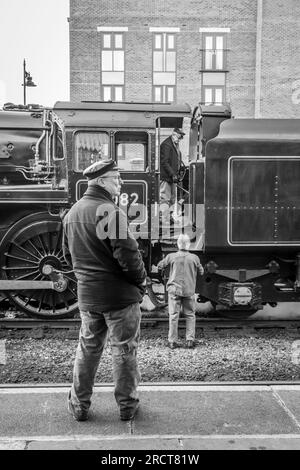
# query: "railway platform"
[[172, 416]]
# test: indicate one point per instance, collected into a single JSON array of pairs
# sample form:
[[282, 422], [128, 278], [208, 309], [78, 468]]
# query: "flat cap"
[[100, 168], [178, 131]]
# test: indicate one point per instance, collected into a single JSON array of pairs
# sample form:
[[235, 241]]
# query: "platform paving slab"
[[212, 412], [205, 443], [242, 443], [290, 397], [170, 417], [279, 442], [45, 414], [13, 445], [110, 444]]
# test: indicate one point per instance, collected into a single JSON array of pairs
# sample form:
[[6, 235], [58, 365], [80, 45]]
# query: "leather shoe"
[[190, 344], [172, 345], [127, 414], [78, 413]]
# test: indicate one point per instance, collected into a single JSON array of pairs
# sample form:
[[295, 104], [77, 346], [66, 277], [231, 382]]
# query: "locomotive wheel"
[[157, 297], [31, 243]]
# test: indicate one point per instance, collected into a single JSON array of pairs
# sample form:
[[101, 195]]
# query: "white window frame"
[[164, 77], [165, 91], [214, 64], [214, 89], [113, 76], [113, 90], [217, 56]]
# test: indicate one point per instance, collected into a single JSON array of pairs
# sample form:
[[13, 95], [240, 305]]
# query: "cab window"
[[90, 147], [131, 150]]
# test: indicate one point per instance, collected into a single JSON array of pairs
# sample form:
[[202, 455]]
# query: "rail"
[[217, 324]]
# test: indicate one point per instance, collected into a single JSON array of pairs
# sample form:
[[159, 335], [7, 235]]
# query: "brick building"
[[241, 51]]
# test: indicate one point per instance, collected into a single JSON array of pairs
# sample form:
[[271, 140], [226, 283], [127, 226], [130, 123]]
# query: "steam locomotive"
[[238, 199]]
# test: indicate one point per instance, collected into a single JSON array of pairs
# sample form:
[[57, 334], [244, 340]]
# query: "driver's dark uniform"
[[170, 162]]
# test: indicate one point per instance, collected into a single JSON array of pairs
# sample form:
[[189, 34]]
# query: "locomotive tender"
[[239, 199]]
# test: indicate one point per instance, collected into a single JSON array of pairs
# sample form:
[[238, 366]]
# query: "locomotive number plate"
[[133, 199]]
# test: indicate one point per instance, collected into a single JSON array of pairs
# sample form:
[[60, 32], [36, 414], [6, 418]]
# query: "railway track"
[[212, 324]]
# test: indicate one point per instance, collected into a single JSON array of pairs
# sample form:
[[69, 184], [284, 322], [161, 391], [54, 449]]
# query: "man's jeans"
[[123, 328], [188, 307]]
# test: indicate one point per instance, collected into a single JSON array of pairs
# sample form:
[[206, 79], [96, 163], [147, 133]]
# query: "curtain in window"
[[90, 147]]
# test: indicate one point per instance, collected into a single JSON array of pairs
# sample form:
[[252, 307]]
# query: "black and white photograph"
[[149, 229]]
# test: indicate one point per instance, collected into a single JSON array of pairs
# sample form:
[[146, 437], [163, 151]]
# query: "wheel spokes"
[[39, 237], [26, 275], [8, 255], [25, 251], [25, 255], [35, 248], [18, 268], [58, 237]]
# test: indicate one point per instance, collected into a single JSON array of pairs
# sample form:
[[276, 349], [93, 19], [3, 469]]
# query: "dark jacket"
[[170, 160], [104, 254]]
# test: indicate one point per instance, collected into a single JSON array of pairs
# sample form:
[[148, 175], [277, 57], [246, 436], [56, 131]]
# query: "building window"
[[163, 94], [213, 95], [112, 93], [164, 67], [214, 63], [112, 65], [214, 51]]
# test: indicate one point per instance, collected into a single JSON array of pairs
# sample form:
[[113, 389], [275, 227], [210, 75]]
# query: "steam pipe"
[[41, 138]]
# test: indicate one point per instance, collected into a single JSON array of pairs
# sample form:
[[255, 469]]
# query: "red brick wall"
[[280, 58], [280, 48]]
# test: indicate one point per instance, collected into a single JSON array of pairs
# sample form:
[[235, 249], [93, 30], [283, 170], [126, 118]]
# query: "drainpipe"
[[259, 19]]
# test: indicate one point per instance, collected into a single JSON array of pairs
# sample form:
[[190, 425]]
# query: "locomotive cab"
[[130, 134]]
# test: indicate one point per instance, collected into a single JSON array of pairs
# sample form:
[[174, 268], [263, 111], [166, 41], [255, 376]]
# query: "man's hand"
[[175, 179], [201, 270]]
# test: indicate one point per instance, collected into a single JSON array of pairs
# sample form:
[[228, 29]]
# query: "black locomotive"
[[238, 200]]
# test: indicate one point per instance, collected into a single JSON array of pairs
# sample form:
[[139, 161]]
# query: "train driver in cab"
[[170, 163]]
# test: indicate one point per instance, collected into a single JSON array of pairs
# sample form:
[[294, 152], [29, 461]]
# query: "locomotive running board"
[[24, 285]]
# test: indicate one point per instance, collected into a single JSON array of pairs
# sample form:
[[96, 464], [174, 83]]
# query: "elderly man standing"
[[184, 267], [170, 163], [111, 282]]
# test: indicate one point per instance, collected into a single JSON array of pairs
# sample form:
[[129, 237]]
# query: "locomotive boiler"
[[238, 201]]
